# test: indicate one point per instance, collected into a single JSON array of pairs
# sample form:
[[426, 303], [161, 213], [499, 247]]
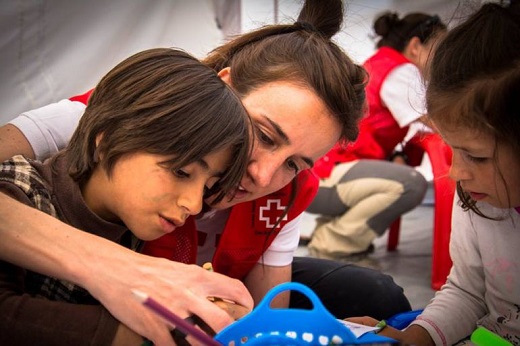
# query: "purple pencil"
[[172, 318]]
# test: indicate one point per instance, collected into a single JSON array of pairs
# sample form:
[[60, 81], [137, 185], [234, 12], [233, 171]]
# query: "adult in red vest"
[[297, 115], [378, 192], [395, 89]]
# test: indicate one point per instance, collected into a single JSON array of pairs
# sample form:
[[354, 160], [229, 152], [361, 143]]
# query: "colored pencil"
[[172, 318]]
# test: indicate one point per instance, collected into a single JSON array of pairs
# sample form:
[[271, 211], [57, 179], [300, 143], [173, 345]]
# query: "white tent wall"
[[53, 49], [355, 37]]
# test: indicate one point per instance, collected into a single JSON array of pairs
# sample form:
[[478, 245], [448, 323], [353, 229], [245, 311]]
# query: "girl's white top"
[[483, 287]]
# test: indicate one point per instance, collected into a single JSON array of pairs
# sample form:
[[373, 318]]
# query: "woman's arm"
[[41, 132], [263, 277], [37, 241], [275, 265], [13, 142]]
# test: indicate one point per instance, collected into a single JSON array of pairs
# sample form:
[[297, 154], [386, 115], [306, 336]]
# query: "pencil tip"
[[140, 295]]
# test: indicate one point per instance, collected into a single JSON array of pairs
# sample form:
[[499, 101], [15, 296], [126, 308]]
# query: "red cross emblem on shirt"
[[271, 212]]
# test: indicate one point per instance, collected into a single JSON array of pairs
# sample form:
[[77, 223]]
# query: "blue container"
[[402, 320], [297, 327]]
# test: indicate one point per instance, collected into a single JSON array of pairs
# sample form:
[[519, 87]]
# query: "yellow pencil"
[[233, 309]]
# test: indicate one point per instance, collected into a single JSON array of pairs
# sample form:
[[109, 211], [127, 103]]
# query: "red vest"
[[83, 98], [379, 133], [248, 232], [365, 147], [385, 130]]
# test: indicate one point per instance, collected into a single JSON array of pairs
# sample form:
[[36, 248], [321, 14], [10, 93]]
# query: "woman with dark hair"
[[395, 91], [358, 200]]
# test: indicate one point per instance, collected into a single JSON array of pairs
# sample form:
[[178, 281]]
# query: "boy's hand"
[[234, 310], [182, 288]]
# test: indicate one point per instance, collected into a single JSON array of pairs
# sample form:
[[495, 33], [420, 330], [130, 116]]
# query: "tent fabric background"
[[54, 49]]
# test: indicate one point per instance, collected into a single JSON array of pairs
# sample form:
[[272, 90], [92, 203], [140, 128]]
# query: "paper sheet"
[[358, 329]]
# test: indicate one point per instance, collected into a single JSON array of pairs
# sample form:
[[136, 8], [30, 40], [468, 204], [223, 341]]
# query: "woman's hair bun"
[[385, 23], [325, 16]]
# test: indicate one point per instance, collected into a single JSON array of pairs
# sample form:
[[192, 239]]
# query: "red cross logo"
[[271, 212]]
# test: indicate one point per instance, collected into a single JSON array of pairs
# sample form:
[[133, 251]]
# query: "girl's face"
[[148, 196], [293, 128], [485, 178]]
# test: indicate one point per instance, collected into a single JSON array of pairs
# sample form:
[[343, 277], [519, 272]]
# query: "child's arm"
[[413, 335], [42, 243], [28, 320]]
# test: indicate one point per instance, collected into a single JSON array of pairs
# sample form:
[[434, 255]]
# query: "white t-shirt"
[[403, 91], [48, 129]]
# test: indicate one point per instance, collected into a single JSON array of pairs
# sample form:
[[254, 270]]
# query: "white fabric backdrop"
[[54, 49]]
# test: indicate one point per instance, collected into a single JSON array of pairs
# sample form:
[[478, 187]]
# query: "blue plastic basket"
[[297, 327]]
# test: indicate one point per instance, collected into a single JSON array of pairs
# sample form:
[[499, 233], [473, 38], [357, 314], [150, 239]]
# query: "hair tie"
[[433, 20], [422, 28], [306, 27]]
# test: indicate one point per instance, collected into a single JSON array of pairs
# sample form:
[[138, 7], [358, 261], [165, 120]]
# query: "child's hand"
[[234, 310], [365, 320], [386, 330], [413, 335], [182, 288]]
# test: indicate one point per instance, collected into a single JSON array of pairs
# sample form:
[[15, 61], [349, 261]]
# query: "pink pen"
[[172, 318]]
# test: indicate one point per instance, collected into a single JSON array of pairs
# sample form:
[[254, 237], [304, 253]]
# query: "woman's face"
[[293, 128]]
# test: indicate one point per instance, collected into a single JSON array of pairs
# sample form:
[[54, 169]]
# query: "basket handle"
[[317, 306], [276, 340]]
